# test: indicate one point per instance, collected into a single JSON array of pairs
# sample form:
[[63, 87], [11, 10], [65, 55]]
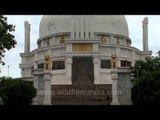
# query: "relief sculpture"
[[114, 61], [82, 70], [47, 62], [103, 39]]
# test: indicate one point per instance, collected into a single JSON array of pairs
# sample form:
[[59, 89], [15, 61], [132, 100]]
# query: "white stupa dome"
[[114, 24]]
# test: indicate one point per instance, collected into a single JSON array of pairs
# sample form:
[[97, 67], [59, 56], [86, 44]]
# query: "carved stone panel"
[[82, 70], [82, 47]]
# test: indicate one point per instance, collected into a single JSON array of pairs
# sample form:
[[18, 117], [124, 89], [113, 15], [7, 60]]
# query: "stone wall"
[[124, 88], [81, 94]]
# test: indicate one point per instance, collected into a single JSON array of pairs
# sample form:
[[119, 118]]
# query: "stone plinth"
[[47, 87], [37, 76], [115, 101]]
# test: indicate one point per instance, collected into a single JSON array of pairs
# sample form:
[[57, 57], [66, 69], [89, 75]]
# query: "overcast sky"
[[12, 57]]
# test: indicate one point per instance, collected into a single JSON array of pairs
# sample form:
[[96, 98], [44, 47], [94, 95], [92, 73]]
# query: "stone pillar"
[[111, 39], [118, 53], [81, 27], [49, 52], [133, 57], [95, 47], [90, 27], [145, 34], [35, 59], [68, 48], [47, 87], [77, 26], [36, 78], [124, 41], [27, 37], [69, 70], [72, 27], [87, 27], [42, 43], [115, 101], [35, 100], [96, 63]]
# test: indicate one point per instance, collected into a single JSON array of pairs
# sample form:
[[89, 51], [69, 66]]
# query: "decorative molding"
[[117, 42], [82, 47], [62, 39], [103, 39]]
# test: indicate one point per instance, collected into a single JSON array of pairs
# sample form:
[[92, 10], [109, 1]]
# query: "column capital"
[[95, 56], [114, 71], [145, 20], [69, 56], [37, 72], [96, 60], [114, 74], [69, 61], [47, 75], [27, 25]]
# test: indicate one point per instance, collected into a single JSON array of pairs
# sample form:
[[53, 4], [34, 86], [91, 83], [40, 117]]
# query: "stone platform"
[[81, 94]]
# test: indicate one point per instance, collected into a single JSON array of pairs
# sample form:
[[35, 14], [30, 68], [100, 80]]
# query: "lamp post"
[[8, 70], [137, 70], [0, 73]]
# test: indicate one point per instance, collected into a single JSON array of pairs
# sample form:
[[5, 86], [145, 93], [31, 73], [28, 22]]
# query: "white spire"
[[145, 34], [27, 37]]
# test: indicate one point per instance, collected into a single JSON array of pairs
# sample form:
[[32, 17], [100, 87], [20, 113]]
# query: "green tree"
[[158, 53], [146, 85], [7, 40], [17, 92]]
